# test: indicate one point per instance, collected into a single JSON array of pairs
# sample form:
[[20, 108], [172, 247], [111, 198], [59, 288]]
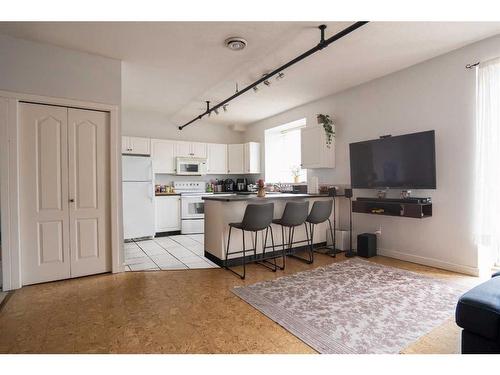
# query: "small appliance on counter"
[[313, 185], [299, 189], [241, 184], [229, 185], [252, 188]]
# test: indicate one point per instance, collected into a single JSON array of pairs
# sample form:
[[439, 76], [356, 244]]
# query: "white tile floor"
[[167, 253]]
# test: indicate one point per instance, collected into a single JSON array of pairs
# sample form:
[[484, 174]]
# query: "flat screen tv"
[[404, 161]]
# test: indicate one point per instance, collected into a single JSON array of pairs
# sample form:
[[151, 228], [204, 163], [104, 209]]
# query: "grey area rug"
[[355, 306]]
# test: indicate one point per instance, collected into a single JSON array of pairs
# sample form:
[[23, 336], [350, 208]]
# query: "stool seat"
[[257, 217], [294, 215]]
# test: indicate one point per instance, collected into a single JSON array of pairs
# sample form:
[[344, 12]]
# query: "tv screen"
[[405, 161]]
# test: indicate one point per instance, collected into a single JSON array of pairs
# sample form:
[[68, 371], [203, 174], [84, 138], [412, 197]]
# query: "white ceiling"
[[173, 67]]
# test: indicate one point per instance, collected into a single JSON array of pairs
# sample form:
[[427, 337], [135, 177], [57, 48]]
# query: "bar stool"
[[257, 217], [294, 215], [320, 212]]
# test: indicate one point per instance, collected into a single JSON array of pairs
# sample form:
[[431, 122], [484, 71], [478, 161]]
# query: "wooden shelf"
[[384, 208]]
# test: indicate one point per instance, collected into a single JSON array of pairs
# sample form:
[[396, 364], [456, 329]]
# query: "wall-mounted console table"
[[393, 207]]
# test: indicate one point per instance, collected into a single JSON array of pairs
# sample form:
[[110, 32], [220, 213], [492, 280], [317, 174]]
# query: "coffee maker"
[[241, 184], [229, 185]]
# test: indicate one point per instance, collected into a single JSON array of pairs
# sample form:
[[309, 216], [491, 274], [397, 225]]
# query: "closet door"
[[88, 140], [44, 209]]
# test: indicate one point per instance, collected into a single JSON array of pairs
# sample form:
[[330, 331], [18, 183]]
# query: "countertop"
[[166, 194], [253, 198]]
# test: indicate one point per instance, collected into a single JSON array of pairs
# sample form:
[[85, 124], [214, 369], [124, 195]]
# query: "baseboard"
[[473, 271]]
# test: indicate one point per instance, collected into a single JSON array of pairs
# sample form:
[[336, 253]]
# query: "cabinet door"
[[183, 149], [252, 157], [163, 153], [311, 146], [125, 145], [198, 150], [167, 214], [217, 158], [235, 159], [140, 146]]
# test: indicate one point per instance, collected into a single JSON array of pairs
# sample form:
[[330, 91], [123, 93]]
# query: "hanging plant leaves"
[[327, 123]]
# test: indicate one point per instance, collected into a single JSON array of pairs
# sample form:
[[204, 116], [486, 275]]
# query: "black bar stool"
[[320, 212], [257, 217], [294, 215]]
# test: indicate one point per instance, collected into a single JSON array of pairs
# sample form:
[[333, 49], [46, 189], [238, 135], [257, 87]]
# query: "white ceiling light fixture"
[[235, 43]]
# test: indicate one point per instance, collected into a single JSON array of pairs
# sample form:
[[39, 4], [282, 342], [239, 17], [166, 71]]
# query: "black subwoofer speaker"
[[367, 245]]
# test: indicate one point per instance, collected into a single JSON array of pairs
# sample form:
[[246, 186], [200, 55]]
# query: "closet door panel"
[[44, 212], [88, 140]]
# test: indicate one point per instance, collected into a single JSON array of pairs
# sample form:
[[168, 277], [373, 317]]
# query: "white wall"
[[157, 125], [437, 94], [42, 69]]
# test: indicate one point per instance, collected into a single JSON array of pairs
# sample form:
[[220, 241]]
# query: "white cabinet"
[[136, 146], [199, 150], [252, 157], [191, 149], [163, 153], [217, 158], [167, 213], [235, 159], [314, 151]]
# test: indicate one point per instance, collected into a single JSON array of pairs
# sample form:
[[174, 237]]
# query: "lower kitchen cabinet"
[[167, 213]]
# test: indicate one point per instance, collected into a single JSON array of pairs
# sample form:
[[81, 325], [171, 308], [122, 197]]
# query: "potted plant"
[[295, 173], [328, 126], [260, 184]]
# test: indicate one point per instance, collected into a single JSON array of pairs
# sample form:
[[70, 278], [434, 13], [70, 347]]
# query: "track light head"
[[216, 111], [255, 89], [224, 107], [267, 83], [280, 75]]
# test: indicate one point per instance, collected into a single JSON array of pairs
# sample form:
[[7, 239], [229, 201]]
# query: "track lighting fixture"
[[224, 107], [278, 72], [216, 111]]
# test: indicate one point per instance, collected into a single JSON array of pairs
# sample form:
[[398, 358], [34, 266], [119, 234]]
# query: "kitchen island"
[[220, 210]]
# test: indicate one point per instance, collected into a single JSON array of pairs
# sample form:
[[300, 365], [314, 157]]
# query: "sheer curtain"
[[487, 179]]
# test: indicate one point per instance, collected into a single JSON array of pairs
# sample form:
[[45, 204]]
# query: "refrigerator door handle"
[[151, 195]]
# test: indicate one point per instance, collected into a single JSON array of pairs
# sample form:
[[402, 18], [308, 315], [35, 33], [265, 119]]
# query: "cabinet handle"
[[71, 201]]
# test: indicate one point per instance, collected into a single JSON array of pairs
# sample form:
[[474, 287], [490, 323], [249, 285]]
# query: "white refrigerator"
[[138, 197]]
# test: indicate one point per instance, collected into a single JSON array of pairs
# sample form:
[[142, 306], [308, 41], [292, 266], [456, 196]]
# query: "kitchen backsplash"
[[167, 179]]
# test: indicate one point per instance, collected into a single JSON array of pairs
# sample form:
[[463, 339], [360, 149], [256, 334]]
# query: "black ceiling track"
[[323, 43]]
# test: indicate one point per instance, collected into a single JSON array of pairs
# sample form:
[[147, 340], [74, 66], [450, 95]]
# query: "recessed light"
[[235, 43]]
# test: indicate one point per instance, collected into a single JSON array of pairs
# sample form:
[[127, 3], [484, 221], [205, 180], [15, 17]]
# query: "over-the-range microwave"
[[191, 166]]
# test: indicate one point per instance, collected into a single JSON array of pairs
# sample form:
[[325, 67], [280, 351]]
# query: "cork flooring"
[[185, 311]]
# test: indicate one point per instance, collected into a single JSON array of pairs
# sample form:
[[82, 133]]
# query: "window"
[[282, 147]]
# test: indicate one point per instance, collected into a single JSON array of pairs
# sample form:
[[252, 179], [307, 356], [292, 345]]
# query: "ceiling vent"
[[235, 43]]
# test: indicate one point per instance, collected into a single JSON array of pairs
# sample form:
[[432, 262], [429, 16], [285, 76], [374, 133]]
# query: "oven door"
[[192, 207]]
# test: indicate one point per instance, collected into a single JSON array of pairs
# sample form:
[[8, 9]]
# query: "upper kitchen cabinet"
[[315, 152], [191, 149], [252, 157], [136, 146], [216, 158], [236, 159], [163, 152]]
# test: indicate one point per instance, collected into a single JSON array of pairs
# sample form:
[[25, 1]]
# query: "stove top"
[[189, 187]]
